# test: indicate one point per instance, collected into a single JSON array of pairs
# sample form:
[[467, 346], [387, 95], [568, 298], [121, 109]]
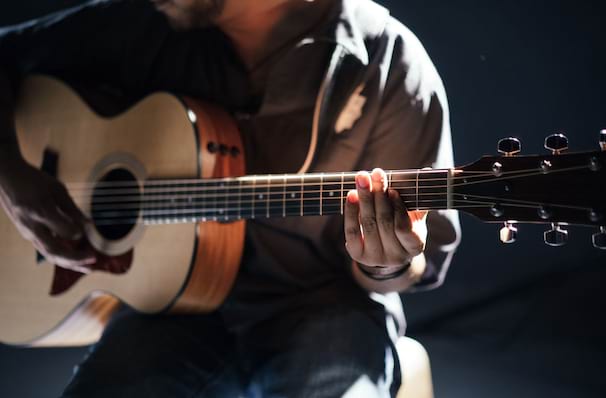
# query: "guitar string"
[[338, 175], [147, 198], [335, 202], [220, 184], [268, 209], [139, 220], [259, 196], [350, 174], [173, 184], [234, 182], [521, 173], [296, 204]]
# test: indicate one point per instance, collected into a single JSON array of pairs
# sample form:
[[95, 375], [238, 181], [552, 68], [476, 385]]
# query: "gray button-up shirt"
[[354, 90]]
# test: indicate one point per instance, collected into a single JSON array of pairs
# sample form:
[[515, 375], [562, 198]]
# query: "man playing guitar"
[[318, 85]]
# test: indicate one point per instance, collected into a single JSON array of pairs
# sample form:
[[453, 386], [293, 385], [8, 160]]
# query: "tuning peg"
[[603, 139], [556, 143], [599, 239], [509, 146], [509, 233], [556, 236]]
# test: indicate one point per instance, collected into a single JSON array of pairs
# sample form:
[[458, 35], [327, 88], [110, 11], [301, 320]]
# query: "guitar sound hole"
[[115, 204]]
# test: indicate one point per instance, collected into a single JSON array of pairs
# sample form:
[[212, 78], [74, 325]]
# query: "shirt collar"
[[351, 22], [345, 32]]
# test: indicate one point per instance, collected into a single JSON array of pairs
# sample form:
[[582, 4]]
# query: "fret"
[[405, 184], [343, 195], [311, 196], [284, 197], [321, 191], [261, 197], [246, 198], [276, 198], [332, 195], [150, 204], [417, 190], [187, 201], [211, 193], [191, 200], [280, 196], [222, 197], [266, 195], [182, 204], [432, 189], [239, 199], [422, 189], [232, 198], [293, 204], [301, 195], [254, 197]]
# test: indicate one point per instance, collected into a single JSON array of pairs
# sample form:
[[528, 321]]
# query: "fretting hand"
[[381, 235]]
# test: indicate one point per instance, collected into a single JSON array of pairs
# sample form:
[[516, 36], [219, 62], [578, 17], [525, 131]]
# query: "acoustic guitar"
[[165, 186]]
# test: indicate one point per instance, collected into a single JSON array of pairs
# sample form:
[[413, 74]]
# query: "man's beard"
[[185, 15]]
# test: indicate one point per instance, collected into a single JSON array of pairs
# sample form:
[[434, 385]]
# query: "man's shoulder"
[[410, 62], [380, 29], [409, 71]]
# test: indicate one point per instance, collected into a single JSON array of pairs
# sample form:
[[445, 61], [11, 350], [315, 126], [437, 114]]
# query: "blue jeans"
[[318, 352]]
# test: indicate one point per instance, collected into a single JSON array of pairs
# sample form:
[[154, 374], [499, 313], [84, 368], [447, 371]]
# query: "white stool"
[[416, 371]]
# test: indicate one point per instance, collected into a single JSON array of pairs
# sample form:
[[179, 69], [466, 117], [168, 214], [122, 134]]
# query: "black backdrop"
[[518, 320]]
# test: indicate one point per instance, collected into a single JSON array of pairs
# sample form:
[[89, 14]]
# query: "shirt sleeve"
[[413, 131]]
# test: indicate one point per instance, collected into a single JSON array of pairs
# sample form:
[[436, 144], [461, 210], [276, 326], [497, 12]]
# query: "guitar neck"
[[269, 196]]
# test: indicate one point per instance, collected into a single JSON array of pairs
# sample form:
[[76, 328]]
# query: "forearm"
[[400, 283]]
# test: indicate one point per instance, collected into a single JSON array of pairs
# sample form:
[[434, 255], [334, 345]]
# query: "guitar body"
[[177, 267]]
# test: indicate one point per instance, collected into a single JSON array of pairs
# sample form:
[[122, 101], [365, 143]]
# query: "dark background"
[[520, 320]]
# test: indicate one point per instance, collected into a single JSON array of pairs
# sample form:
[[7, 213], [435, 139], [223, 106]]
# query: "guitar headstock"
[[556, 189]]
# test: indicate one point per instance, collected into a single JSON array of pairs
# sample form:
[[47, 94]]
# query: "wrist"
[[383, 273]]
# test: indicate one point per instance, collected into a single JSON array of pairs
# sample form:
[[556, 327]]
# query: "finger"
[[353, 234], [395, 254], [372, 251], [60, 253], [409, 240]]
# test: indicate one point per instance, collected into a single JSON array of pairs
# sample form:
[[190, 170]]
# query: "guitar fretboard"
[[270, 196]]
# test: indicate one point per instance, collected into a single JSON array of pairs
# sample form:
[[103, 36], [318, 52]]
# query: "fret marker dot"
[[331, 193], [293, 195], [260, 196]]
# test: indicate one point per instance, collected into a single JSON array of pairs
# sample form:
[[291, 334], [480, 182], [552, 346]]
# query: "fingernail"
[[376, 175], [362, 181], [352, 197]]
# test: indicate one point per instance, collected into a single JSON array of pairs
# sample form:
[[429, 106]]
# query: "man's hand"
[[381, 235], [44, 214]]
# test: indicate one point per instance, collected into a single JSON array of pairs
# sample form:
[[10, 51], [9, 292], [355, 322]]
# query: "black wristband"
[[382, 277]]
